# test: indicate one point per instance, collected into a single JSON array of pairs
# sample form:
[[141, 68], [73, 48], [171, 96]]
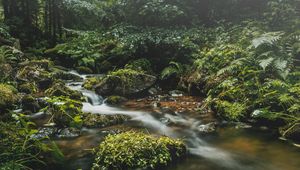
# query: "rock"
[[207, 128], [97, 120], [154, 91], [45, 132], [8, 97], [135, 150], [241, 125], [35, 74], [59, 89], [65, 112], [42, 64], [68, 133], [84, 70], [156, 104], [90, 83], [62, 75], [29, 103], [176, 93], [125, 82], [115, 100]]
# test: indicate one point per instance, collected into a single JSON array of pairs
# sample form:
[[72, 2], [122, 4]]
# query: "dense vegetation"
[[243, 56]]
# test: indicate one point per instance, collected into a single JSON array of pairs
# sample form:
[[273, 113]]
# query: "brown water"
[[228, 148]]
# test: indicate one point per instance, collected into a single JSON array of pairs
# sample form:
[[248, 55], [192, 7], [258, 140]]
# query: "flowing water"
[[229, 148]]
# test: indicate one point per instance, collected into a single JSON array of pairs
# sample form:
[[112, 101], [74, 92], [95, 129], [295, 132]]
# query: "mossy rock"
[[135, 150], [60, 89], [28, 88], [29, 103], [62, 75], [115, 100], [84, 70], [125, 82], [43, 64], [8, 97], [97, 120], [65, 112], [91, 82], [35, 74]]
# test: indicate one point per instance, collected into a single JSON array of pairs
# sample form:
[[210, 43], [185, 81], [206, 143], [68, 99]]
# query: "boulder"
[[125, 82], [8, 97], [29, 103], [115, 100], [59, 89], [97, 120], [35, 74], [135, 150]]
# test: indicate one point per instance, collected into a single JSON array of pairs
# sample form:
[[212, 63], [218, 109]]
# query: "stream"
[[229, 147]]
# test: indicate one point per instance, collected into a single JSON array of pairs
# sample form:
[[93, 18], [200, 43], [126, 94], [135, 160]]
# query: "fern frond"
[[269, 38], [232, 66], [265, 63]]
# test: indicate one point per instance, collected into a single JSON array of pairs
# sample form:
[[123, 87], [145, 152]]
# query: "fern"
[[265, 63], [232, 66], [174, 68], [269, 38]]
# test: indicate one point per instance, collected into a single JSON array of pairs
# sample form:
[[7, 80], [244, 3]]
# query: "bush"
[[135, 150]]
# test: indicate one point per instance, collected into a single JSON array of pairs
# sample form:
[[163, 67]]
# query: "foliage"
[[142, 64], [65, 112], [131, 150], [18, 148]]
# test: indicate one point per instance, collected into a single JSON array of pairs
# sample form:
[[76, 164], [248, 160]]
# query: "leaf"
[[265, 63]]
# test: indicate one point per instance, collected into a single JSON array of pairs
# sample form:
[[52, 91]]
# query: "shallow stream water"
[[228, 148]]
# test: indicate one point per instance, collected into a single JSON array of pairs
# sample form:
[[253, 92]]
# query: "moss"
[[135, 150], [65, 112], [90, 83], [62, 75], [28, 88], [8, 97], [126, 76], [59, 89], [231, 111], [114, 100], [44, 64], [35, 74], [96, 120], [84, 70]]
